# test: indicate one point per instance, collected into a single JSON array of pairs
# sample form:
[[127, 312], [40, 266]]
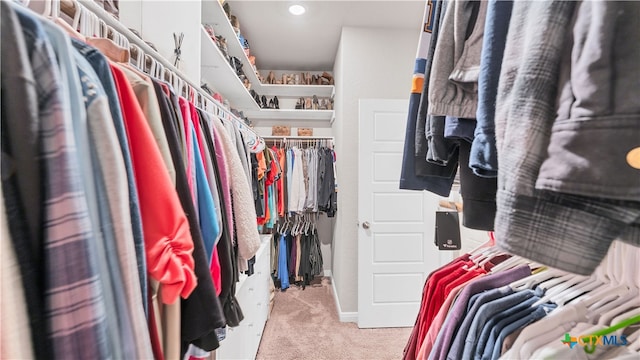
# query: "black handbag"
[[447, 234]]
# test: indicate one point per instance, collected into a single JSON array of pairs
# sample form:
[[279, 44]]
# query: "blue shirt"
[[459, 128], [486, 312], [206, 207], [496, 327], [477, 300], [484, 153], [491, 327], [536, 315]]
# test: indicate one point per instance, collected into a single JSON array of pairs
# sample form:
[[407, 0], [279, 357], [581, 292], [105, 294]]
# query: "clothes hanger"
[[575, 292], [597, 331], [633, 313], [628, 307], [108, 47], [137, 57], [556, 286], [510, 263], [619, 325], [530, 281], [634, 341], [47, 8]]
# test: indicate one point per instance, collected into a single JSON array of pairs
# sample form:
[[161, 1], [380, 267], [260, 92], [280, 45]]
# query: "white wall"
[[370, 63], [178, 17]]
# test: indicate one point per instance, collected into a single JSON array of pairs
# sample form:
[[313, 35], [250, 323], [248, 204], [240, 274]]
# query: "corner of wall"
[[343, 316]]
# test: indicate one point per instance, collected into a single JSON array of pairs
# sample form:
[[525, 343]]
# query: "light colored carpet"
[[304, 325]]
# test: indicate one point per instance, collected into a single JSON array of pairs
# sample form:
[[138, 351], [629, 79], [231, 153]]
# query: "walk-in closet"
[[322, 180]]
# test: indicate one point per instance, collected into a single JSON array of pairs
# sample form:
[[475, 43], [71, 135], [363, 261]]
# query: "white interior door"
[[396, 227]]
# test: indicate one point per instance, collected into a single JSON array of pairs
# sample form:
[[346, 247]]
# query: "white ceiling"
[[281, 41]]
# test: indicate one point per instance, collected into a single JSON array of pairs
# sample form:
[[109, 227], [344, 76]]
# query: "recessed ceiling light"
[[297, 9]]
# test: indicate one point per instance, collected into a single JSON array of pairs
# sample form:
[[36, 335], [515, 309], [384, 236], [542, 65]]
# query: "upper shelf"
[[219, 74], [290, 114], [323, 91], [213, 13]]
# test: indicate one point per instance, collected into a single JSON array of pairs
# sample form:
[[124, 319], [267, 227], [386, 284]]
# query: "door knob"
[[366, 225]]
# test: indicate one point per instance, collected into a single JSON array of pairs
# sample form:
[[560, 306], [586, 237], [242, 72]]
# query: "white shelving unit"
[[290, 115], [294, 91], [219, 74], [213, 13]]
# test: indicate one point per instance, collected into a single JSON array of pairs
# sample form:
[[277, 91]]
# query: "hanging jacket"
[[565, 164]]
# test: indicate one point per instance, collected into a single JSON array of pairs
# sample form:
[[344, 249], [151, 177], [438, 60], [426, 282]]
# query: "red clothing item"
[[167, 240], [195, 120], [273, 169], [262, 172], [280, 183], [413, 345], [189, 161]]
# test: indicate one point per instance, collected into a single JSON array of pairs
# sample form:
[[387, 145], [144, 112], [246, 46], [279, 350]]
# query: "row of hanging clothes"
[[127, 209], [295, 183], [296, 255], [487, 304], [511, 96]]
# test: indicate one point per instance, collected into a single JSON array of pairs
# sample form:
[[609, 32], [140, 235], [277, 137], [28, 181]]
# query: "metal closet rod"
[[69, 8], [299, 137]]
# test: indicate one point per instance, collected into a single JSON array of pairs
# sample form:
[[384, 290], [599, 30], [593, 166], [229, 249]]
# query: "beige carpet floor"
[[304, 324]]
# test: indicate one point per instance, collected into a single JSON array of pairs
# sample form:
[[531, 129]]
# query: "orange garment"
[[167, 240], [280, 183], [262, 171], [262, 165]]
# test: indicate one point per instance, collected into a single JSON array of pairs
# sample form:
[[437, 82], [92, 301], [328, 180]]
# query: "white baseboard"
[[343, 316]]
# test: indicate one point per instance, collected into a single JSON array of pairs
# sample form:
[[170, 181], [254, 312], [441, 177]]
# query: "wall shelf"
[[213, 14], [219, 74], [290, 115], [322, 91]]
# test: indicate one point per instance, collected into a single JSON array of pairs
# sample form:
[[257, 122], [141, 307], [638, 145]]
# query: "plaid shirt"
[[569, 232], [74, 305]]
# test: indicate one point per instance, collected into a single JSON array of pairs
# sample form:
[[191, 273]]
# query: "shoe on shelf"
[[276, 103], [255, 96], [316, 104], [300, 104], [271, 78], [307, 78], [263, 103], [271, 104], [326, 78], [323, 104], [308, 105], [285, 79]]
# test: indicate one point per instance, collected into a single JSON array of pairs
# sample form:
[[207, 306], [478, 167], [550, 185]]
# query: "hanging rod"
[[299, 138], [69, 8]]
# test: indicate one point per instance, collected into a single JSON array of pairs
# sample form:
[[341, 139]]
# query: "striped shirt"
[[74, 306]]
